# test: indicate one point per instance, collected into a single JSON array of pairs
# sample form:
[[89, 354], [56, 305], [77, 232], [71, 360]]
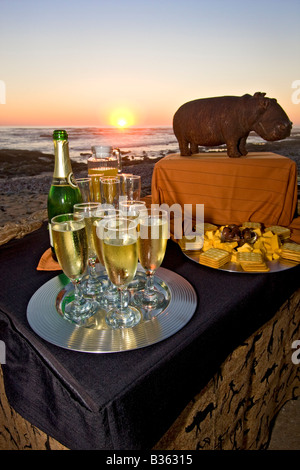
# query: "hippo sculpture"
[[229, 120]]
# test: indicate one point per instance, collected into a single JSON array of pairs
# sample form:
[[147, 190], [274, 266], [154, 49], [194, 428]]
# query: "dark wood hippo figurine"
[[229, 120]]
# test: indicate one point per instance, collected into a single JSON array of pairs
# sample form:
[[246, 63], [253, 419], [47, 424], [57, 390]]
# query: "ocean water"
[[134, 142]]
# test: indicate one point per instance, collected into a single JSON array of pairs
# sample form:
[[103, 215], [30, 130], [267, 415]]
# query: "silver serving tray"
[[45, 310], [274, 266]]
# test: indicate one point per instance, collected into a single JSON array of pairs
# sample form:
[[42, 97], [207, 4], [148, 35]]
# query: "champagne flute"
[[85, 187], [121, 258], [110, 295], [95, 179], [152, 243], [130, 187], [71, 248], [133, 210], [91, 211], [110, 190]]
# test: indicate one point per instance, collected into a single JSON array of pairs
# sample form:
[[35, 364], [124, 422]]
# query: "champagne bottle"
[[64, 192]]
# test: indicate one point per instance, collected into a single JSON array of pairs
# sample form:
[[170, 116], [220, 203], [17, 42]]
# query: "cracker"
[[214, 257], [252, 262], [293, 247], [256, 269], [291, 251], [251, 225], [249, 257], [208, 226], [282, 232]]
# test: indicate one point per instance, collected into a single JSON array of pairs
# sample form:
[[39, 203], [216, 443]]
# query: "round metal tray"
[[45, 309], [274, 266]]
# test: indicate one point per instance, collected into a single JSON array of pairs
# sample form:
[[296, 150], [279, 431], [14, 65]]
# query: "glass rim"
[[99, 147], [132, 202], [105, 179], [90, 204], [121, 217], [68, 216], [127, 175], [81, 180], [155, 210], [112, 216]]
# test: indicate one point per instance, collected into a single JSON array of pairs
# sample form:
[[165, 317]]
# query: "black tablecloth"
[[125, 400]]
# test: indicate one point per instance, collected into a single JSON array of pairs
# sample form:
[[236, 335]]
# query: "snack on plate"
[[191, 243], [282, 232], [237, 244], [251, 225], [239, 234], [252, 262], [208, 226], [214, 258], [291, 251]]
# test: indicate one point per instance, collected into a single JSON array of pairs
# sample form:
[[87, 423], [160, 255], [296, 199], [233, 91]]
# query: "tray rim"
[[48, 324]]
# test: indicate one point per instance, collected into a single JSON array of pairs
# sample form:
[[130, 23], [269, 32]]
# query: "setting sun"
[[122, 117], [122, 122]]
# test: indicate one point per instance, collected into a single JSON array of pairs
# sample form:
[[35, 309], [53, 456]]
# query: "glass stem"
[[111, 286], [92, 268], [123, 298], [77, 295], [150, 283]]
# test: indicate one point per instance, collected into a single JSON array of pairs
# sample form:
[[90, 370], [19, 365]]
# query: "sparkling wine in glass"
[[134, 210], [152, 243], [110, 190], [95, 179], [71, 248], [110, 295], [121, 258], [91, 211]]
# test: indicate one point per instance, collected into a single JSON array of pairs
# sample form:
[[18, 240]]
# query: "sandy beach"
[[26, 177]]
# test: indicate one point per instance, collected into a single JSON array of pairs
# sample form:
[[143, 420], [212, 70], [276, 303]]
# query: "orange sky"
[[77, 67]]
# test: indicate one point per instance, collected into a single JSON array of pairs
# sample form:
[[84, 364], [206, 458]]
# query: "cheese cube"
[[257, 230], [268, 234], [244, 248], [209, 234]]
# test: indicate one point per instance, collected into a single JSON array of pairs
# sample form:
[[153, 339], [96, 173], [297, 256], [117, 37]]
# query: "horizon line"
[[296, 124], [88, 126]]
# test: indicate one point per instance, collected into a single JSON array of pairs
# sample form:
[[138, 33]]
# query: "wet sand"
[[26, 177]]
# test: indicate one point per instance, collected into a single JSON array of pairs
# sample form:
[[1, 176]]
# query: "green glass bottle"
[[64, 192]]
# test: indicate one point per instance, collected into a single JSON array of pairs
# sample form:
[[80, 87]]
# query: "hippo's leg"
[[242, 146], [232, 149], [184, 147], [194, 148]]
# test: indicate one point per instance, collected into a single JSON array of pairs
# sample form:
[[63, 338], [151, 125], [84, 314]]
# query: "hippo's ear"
[[263, 102]]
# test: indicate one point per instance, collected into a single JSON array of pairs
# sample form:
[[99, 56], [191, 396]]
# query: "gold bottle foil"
[[62, 168]]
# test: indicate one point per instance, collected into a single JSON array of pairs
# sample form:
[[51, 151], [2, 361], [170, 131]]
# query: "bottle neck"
[[62, 166]]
